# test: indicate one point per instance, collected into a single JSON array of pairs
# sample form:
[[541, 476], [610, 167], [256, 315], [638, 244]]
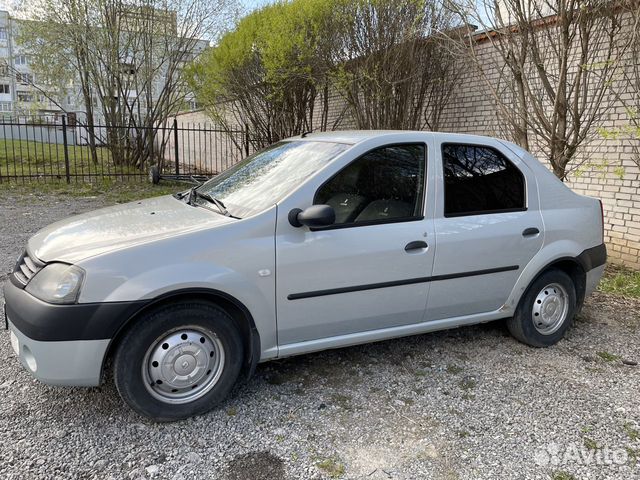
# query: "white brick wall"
[[473, 110]]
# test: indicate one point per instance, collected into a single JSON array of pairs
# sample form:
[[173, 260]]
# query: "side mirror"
[[314, 216]]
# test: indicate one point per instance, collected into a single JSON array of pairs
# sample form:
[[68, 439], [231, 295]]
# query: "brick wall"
[[473, 110], [607, 168]]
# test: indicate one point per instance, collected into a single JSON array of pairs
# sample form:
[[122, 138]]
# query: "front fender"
[[256, 295], [237, 260]]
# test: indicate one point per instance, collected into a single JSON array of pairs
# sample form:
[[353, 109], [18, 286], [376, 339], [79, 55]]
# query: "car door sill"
[[389, 333]]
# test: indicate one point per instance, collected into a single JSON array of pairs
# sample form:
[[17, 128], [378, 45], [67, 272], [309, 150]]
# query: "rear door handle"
[[417, 245], [528, 232]]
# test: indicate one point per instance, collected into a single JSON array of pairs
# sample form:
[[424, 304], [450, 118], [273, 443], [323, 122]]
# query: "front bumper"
[[47, 322], [63, 344], [68, 363]]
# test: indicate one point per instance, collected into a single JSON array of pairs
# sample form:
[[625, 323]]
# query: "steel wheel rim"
[[550, 308], [183, 365]]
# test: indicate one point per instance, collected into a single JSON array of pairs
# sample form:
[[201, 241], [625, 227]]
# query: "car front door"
[[488, 227], [365, 272]]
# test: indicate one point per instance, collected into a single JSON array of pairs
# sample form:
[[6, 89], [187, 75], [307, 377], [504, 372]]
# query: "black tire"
[[131, 359], [522, 325]]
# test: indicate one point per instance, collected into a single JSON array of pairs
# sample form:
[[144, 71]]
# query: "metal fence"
[[33, 149]]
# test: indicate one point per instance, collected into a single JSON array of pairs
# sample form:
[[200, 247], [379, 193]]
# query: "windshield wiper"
[[213, 200], [194, 193], [189, 193]]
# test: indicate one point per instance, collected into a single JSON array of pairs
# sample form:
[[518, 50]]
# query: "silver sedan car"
[[319, 242]]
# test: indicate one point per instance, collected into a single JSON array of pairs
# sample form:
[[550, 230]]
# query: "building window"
[[3, 33], [24, 78], [5, 106], [5, 89], [480, 180], [25, 97], [21, 60]]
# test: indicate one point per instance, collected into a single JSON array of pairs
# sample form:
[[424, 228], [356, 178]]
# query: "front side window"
[[264, 178], [479, 180], [386, 184]]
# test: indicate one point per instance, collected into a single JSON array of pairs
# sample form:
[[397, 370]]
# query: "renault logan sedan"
[[319, 242]]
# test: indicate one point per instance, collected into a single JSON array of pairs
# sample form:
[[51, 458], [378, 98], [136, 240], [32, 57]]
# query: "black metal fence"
[[34, 149]]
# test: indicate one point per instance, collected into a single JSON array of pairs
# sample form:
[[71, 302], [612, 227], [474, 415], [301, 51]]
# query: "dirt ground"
[[468, 403]]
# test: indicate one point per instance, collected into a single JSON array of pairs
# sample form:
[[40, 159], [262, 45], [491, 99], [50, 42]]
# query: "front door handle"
[[417, 245], [529, 232]]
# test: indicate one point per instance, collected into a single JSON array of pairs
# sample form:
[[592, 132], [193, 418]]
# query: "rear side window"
[[480, 180], [384, 185]]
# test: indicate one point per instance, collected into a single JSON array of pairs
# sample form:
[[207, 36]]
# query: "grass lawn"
[[47, 160], [622, 281], [112, 191]]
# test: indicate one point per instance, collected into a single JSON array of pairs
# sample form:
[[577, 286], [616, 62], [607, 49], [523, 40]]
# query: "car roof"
[[356, 136]]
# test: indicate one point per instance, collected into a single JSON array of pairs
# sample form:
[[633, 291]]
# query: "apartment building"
[[20, 95]]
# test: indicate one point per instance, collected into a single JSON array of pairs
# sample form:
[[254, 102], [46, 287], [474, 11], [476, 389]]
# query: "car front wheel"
[[178, 361], [546, 310]]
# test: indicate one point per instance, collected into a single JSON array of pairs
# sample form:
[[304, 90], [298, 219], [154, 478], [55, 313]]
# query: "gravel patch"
[[468, 403]]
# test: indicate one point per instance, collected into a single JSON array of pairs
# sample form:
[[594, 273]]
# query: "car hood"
[[120, 226]]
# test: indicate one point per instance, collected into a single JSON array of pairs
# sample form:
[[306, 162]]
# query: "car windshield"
[[262, 179]]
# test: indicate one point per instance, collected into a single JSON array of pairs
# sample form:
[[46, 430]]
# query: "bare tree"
[[554, 61], [127, 58], [58, 53], [393, 66]]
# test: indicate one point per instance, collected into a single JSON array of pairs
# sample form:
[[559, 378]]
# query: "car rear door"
[[368, 271], [488, 226]]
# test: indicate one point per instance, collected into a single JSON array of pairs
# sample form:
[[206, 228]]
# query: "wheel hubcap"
[[183, 365], [550, 308]]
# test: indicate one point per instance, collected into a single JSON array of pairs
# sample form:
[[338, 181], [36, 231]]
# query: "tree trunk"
[[558, 163]]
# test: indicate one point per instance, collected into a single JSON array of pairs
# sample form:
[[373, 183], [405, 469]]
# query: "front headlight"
[[57, 283]]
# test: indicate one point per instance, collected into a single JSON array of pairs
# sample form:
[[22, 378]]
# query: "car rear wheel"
[[546, 310], [178, 361]]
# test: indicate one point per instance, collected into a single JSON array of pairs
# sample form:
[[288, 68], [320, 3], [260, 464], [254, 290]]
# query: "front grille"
[[26, 268]]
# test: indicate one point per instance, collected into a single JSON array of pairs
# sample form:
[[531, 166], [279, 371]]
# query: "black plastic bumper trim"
[[593, 257], [46, 322]]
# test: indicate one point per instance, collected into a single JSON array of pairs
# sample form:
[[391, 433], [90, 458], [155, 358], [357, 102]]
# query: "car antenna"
[[305, 134]]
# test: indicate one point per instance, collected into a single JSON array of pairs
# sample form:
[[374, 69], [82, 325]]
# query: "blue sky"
[[248, 4], [253, 4]]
